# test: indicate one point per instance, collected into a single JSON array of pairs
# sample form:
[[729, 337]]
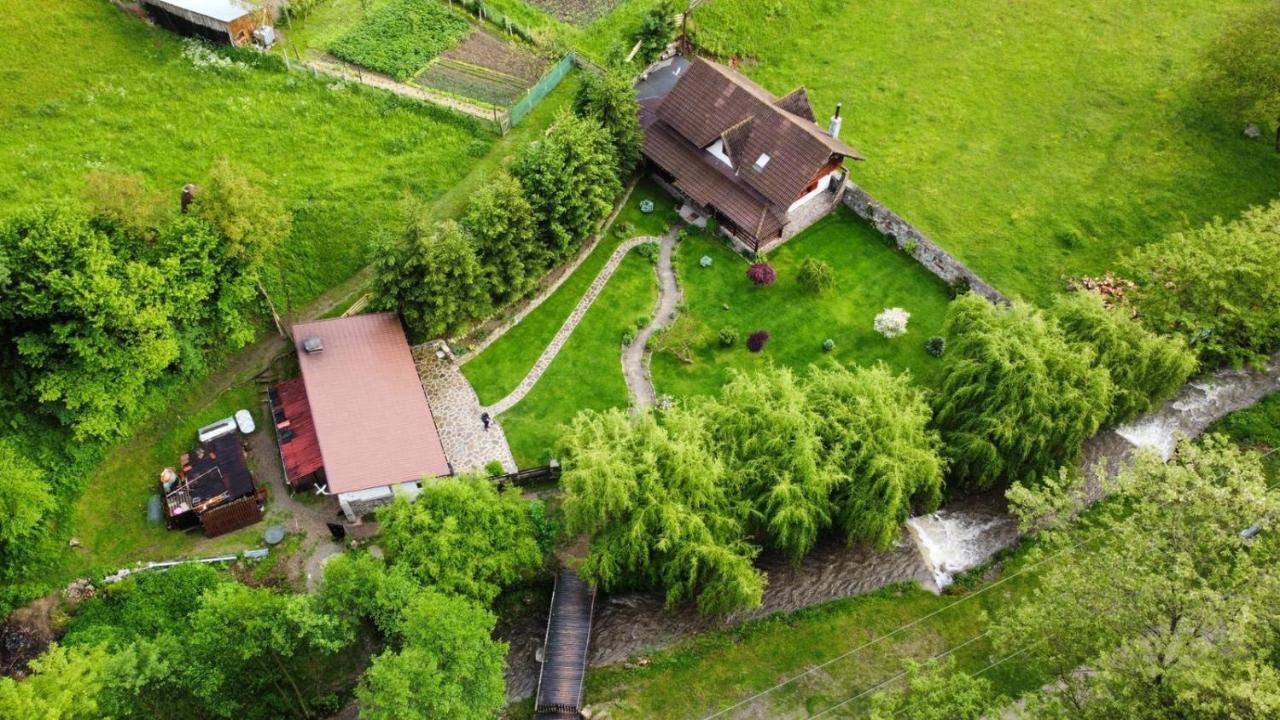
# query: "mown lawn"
[[499, 369], [587, 373], [1034, 139], [110, 517], [871, 275], [88, 87]]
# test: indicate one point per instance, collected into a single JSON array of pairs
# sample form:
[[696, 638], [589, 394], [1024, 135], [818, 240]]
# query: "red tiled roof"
[[372, 419], [301, 452]]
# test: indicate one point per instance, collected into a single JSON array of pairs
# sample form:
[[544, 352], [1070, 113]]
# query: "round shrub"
[[762, 273], [815, 275], [757, 339], [892, 322], [705, 261], [642, 322], [628, 338], [729, 337], [828, 345], [935, 346]]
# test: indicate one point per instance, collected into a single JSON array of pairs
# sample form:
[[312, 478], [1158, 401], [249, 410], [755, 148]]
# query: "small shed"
[[212, 488], [228, 21]]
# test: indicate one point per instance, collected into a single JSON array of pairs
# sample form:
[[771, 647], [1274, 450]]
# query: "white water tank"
[[225, 426]]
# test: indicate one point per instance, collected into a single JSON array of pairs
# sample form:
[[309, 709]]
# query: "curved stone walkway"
[[635, 357], [562, 335]]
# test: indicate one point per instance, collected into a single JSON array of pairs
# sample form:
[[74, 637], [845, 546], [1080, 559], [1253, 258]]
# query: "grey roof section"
[[221, 10]]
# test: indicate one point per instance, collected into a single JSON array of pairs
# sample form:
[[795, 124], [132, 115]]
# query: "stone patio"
[[467, 445]]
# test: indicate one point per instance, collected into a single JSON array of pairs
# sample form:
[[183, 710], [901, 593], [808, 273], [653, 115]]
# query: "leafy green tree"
[[1160, 595], [652, 498], [1244, 67], [610, 99], [429, 274], [143, 606], [253, 222], [124, 201], [570, 178], [83, 330], [1016, 400], [873, 430], [767, 438], [462, 536], [1216, 286], [1145, 368], [64, 685], [500, 220], [362, 588], [25, 504], [657, 30], [446, 665], [252, 652], [937, 691]]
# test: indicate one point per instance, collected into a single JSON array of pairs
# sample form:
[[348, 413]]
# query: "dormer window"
[[762, 161]]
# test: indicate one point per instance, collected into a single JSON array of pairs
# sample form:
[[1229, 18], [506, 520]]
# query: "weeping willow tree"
[[765, 433], [651, 497], [873, 428], [1017, 399], [1145, 368]]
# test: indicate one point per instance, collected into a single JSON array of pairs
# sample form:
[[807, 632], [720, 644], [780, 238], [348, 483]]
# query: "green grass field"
[[499, 369], [1033, 139], [587, 373], [870, 273], [88, 87], [105, 90]]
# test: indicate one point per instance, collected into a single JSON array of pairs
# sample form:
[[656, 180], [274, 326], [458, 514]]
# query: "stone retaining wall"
[[927, 252]]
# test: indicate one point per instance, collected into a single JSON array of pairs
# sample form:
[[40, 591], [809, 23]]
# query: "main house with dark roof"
[[758, 163]]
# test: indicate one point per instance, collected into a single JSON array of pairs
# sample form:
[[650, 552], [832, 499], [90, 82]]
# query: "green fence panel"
[[539, 91]]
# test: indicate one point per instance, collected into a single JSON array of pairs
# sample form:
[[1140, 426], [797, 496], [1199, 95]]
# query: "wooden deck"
[[564, 660]]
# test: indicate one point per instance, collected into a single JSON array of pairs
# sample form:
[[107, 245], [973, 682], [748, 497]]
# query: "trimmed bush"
[[935, 346], [815, 275], [755, 343], [705, 261], [828, 345], [762, 273], [627, 337], [729, 337]]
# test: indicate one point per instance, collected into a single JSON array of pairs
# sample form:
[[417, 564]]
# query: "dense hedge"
[[401, 38]]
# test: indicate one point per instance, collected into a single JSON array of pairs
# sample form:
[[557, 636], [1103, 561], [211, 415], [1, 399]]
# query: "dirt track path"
[[635, 357]]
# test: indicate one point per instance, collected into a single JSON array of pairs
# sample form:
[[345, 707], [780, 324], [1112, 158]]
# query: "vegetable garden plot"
[[485, 67], [401, 37], [577, 12]]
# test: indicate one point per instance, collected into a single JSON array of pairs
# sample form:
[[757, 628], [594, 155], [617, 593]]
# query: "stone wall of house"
[[926, 252], [799, 219]]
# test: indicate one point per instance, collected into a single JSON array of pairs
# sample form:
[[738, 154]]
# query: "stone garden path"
[[467, 444], [635, 357], [570, 323]]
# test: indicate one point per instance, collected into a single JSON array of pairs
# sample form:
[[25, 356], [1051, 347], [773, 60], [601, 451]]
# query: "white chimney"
[[833, 128]]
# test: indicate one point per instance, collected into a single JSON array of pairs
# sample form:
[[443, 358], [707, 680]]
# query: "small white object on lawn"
[[244, 419]]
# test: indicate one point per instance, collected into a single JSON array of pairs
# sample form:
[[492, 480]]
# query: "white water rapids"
[[952, 541]]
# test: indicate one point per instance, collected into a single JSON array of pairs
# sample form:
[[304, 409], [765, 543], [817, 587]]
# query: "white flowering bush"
[[892, 322], [205, 58]]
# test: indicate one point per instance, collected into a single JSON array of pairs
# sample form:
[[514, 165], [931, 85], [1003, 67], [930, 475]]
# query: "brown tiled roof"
[[711, 183], [712, 102], [371, 415], [797, 103]]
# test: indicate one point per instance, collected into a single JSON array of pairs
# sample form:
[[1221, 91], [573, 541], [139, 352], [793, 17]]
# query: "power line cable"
[[902, 628]]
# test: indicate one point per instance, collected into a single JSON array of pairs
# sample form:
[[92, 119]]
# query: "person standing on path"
[[484, 418]]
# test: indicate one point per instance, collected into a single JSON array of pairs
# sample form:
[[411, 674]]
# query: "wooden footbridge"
[[564, 652]]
